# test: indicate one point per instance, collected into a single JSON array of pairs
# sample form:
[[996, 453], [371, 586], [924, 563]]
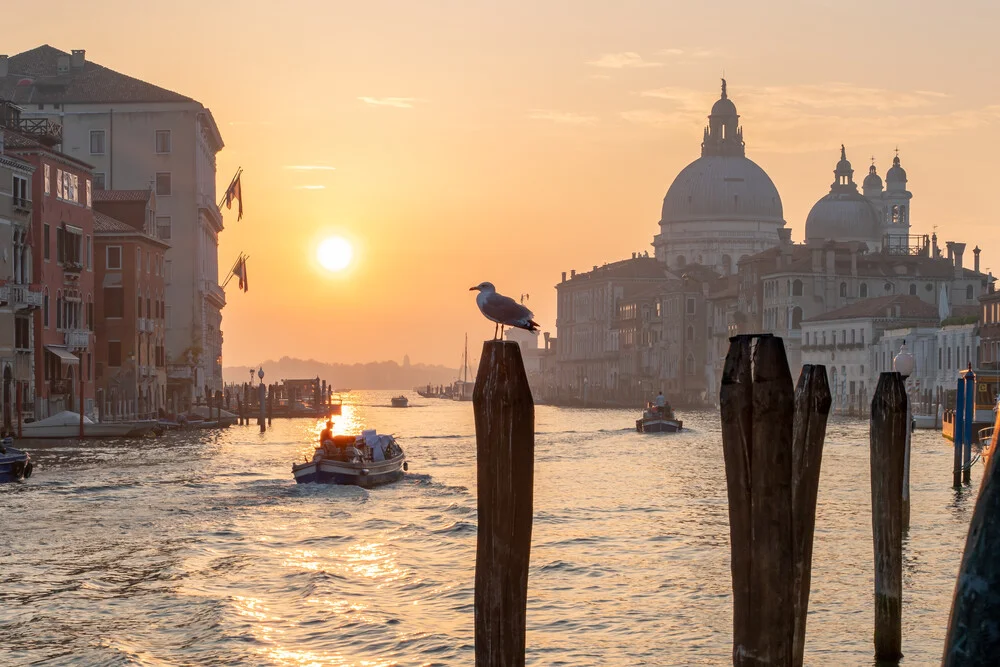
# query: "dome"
[[872, 181], [896, 174], [724, 107], [718, 187], [842, 216]]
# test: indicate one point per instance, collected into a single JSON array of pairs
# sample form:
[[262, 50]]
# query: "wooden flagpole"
[[231, 183], [229, 276]]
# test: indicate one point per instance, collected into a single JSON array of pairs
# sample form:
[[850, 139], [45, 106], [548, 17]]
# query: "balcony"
[[72, 266], [215, 294], [145, 325], [77, 339], [60, 386], [178, 372], [22, 205], [211, 211], [22, 296]]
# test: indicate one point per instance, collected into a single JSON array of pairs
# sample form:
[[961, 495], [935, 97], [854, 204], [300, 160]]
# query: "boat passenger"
[[327, 434]]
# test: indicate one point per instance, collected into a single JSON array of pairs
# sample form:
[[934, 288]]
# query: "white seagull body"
[[502, 309]]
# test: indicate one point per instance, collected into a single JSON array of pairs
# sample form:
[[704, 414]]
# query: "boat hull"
[[102, 430], [15, 465], [366, 475], [658, 425]]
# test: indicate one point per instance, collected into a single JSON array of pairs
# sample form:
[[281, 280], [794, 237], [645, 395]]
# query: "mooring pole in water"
[[958, 423], [270, 403], [505, 460], [887, 437], [772, 441], [262, 406], [970, 418], [973, 638]]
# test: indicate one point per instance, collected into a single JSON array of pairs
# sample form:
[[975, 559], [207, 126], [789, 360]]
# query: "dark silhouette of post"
[[262, 406], [973, 638], [239, 410], [772, 442], [505, 459], [889, 427], [958, 433], [270, 404], [970, 418]]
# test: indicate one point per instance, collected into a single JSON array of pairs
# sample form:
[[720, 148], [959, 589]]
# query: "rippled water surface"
[[199, 549]]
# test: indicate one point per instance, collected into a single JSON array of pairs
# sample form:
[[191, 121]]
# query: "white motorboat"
[[66, 424]]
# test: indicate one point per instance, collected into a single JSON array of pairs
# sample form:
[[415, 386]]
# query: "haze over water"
[[199, 549]]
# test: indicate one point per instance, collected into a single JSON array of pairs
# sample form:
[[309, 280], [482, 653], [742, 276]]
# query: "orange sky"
[[479, 140]]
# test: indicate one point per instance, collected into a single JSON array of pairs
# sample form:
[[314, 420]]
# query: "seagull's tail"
[[532, 326]]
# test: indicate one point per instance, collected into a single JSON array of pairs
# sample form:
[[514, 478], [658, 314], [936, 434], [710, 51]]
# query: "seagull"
[[502, 309]]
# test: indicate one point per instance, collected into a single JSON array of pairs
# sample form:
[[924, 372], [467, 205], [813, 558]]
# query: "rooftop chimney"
[[564, 276], [976, 252], [547, 335], [3, 66], [78, 58], [951, 251], [62, 64], [959, 251], [633, 255], [936, 252], [785, 234], [572, 273], [595, 267]]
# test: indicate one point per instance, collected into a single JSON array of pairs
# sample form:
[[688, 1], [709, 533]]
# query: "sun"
[[334, 253]]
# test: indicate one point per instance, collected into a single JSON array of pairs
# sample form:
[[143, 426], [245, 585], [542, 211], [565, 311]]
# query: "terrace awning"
[[64, 355]]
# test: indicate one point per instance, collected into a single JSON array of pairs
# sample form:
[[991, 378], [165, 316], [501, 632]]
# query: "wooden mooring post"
[[888, 432], [772, 441], [973, 638], [505, 460]]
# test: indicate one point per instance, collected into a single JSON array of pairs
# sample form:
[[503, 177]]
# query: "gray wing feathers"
[[504, 309]]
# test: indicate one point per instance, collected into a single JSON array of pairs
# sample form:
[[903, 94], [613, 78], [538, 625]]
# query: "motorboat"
[[400, 402], [66, 424], [658, 420], [15, 464], [364, 460]]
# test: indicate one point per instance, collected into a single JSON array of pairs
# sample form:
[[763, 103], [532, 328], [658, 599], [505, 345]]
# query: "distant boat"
[[66, 424], [400, 402], [657, 420], [342, 391], [15, 464], [365, 460], [462, 389]]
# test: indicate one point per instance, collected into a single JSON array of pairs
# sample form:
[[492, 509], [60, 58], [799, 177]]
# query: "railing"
[[4, 295], [77, 339], [175, 372], [206, 204], [72, 266], [24, 296], [22, 204], [214, 291], [145, 325]]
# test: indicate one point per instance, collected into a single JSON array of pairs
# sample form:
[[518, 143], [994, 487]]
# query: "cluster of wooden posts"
[[772, 444], [264, 401]]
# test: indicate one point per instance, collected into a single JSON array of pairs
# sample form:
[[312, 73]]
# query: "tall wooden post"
[[888, 449], [270, 404], [772, 442], [958, 433], [81, 394], [19, 419], [505, 459], [262, 406], [973, 638], [970, 418]]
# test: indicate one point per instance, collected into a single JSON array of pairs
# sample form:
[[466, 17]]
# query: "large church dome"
[[723, 184], [844, 214]]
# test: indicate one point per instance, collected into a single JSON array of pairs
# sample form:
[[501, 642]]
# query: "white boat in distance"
[[66, 424]]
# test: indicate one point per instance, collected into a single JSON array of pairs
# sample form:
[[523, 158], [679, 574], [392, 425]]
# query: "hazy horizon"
[[537, 126]]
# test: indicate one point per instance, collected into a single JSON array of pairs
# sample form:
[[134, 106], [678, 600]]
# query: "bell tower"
[[723, 136]]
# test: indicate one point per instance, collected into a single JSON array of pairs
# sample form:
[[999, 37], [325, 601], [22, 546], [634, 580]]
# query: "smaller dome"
[[872, 181], [896, 174], [844, 166], [724, 107], [842, 217]]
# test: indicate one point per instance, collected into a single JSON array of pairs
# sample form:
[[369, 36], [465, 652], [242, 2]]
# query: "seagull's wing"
[[504, 309]]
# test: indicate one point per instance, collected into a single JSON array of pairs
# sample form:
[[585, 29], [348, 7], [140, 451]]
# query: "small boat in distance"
[[364, 460], [15, 464], [657, 419], [400, 401]]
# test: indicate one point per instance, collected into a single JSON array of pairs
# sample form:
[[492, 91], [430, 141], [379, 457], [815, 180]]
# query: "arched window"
[[895, 214], [902, 214], [689, 364], [889, 288], [968, 293], [690, 333], [681, 261], [797, 288], [843, 290], [913, 289], [863, 291], [796, 318]]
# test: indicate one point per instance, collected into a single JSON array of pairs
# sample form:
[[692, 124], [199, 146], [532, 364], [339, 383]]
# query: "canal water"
[[199, 548]]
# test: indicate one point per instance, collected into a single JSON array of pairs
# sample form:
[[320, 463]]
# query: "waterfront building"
[[16, 335], [722, 207], [989, 330], [131, 368], [62, 227], [138, 135]]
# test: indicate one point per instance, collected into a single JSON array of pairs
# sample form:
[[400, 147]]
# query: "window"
[[114, 259], [913, 289], [689, 365], [138, 262], [69, 246], [114, 302], [59, 312], [149, 263], [90, 201], [690, 333], [163, 186], [163, 141], [90, 254], [138, 305], [690, 306], [59, 183], [864, 290], [46, 245], [796, 318], [167, 271], [48, 189], [843, 290], [169, 318], [21, 192], [99, 180], [968, 292], [797, 288], [97, 142], [163, 227], [90, 315], [114, 353], [45, 310]]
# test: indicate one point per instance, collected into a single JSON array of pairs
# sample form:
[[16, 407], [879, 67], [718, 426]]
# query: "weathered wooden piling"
[[958, 434], [262, 407], [270, 403], [973, 638], [505, 459], [970, 418], [772, 443], [887, 438]]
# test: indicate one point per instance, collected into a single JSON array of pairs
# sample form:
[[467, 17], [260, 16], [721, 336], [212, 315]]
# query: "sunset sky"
[[462, 141]]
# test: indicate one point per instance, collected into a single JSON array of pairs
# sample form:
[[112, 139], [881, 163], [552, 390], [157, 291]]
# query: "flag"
[[240, 271], [235, 191], [244, 277]]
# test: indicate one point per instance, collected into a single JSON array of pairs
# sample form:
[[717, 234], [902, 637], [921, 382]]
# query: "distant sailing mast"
[[465, 366]]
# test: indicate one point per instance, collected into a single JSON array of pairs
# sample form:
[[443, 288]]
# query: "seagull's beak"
[[473, 289]]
